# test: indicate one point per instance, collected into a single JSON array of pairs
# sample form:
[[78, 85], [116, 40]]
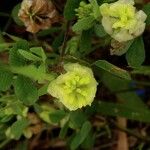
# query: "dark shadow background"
[[6, 6]]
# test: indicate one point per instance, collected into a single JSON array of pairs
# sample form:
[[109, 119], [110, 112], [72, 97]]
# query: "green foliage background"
[[29, 70]]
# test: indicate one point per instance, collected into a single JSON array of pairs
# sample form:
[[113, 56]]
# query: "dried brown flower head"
[[118, 48], [37, 14]]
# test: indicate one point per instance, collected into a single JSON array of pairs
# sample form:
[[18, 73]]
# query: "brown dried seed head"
[[117, 48], [37, 14]]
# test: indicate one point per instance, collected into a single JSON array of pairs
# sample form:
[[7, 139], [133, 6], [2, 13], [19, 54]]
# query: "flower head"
[[84, 10], [75, 88], [122, 21], [37, 14]]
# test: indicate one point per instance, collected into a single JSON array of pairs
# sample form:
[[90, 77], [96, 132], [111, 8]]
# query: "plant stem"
[[4, 143], [7, 24], [63, 47], [138, 136]]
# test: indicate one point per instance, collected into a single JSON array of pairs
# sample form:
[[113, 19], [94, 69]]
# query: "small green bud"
[[27, 133], [8, 111], [84, 10], [45, 113], [9, 134]]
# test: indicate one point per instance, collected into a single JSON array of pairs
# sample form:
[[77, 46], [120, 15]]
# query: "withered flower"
[[37, 14], [118, 48]]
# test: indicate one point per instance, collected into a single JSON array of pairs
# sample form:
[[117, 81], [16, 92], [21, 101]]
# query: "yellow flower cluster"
[[122, 21], [75, 88]]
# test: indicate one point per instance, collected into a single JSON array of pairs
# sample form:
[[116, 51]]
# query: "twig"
[[122, 143], [104, 146], [138, 136]]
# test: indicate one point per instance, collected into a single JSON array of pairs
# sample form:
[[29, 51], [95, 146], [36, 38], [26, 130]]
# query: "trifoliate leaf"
[[29, 55], [83, 24], [6, 79], [136, 53], [15, 58], [25, 90]]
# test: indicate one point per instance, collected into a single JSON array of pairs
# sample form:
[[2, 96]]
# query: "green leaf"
[[40, 52], [48, 32], [121, 110], [17, 128], [6, 119], [15, 15], [146, 9], [122, 89], [15, 58], [95, 8], [5, 46], [6, 99], [85, 44], [83, 24], [77, 118], [29, 71], [37, 74], [145, 70], [44, 112], [136, 53], [28, 55], [103, 64], [12, 37], [25, 90], [64, 130], [6, 79], [69, 10], [43, 90], [58, 41], [72, 45], [99, 30], [56, 116], [88, 143], [81, 135]]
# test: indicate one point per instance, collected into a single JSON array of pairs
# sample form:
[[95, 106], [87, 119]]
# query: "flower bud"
[[84, 10]]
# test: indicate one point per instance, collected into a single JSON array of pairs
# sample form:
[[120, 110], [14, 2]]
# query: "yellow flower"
[[122, 21], [76, 88], [37, 14]]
